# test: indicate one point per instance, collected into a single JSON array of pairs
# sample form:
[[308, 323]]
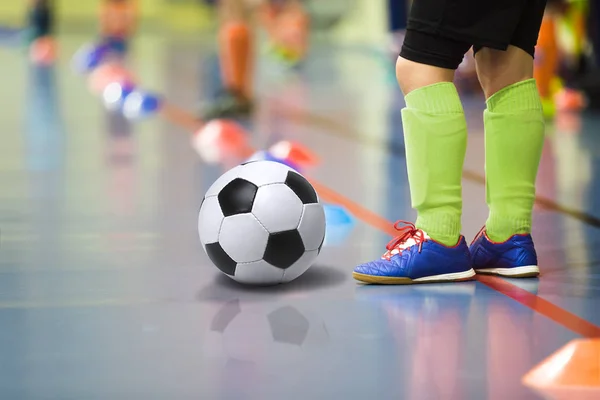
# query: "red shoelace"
[[478, 234], [406, 232]]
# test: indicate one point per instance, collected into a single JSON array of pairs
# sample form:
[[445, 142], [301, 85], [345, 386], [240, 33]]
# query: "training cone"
[[340, 224], [294, 153], [219, 140], [572, 373]]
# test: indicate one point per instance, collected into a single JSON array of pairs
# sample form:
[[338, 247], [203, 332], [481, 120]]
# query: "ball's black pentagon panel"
[[301, 187], [237, 197], [222, 181], [288, 326], [221, 260], [225, 315], [284, 249]]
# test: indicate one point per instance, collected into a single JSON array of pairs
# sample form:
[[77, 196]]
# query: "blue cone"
[[340, 224]]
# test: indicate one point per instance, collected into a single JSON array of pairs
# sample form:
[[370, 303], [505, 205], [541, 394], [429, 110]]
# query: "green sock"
[[435, 134], [514, 137]]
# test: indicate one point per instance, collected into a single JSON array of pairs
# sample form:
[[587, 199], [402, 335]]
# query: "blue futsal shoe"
[[515, 257], [413, 257]]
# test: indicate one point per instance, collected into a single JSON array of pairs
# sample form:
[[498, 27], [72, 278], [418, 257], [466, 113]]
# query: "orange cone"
[[220, 140], [294, 152], [572, 373]]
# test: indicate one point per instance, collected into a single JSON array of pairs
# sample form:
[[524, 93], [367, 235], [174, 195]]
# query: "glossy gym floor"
[[106, 293]]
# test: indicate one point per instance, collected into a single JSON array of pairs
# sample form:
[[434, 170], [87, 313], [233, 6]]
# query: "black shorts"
[[440, 32]]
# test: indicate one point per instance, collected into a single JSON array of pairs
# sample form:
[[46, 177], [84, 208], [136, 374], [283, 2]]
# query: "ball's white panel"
[[264, 172], [300, 266], [277, 207], [243, 238], [258, 273], [223, 180], [210, 218], [312, 226]]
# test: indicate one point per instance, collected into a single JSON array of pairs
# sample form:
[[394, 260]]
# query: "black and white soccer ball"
[[262, 223]]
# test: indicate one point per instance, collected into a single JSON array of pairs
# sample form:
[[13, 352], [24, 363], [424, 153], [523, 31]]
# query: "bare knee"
[[497, 69], [412, 75]]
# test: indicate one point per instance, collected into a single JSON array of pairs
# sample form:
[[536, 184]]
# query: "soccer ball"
[[261, 223]]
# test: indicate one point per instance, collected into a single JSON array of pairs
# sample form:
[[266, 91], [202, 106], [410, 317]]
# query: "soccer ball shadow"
[[318, 277]]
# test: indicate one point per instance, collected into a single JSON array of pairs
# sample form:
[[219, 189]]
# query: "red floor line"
[[542, 306], [330, 195], [528, 299]]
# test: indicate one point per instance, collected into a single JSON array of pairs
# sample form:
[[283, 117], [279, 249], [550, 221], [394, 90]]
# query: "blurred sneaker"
[[515, 257], [413, 257], [227, 105]]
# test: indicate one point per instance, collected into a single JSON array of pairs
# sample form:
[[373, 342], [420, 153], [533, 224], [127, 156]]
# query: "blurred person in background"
[[118, 22], [40, 19], [286, 23]]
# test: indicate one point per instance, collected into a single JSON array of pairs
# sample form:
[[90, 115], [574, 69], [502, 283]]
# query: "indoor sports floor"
[[106, 293]]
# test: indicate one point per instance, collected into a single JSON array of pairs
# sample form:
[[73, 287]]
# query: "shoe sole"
[[392, 280], [526, 271]]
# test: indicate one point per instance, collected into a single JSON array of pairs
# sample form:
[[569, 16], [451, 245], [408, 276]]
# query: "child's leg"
[[514, 136], [41, 19], [435, 132], [235, 47], [289, 31], [236, 57], [514, 129]]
